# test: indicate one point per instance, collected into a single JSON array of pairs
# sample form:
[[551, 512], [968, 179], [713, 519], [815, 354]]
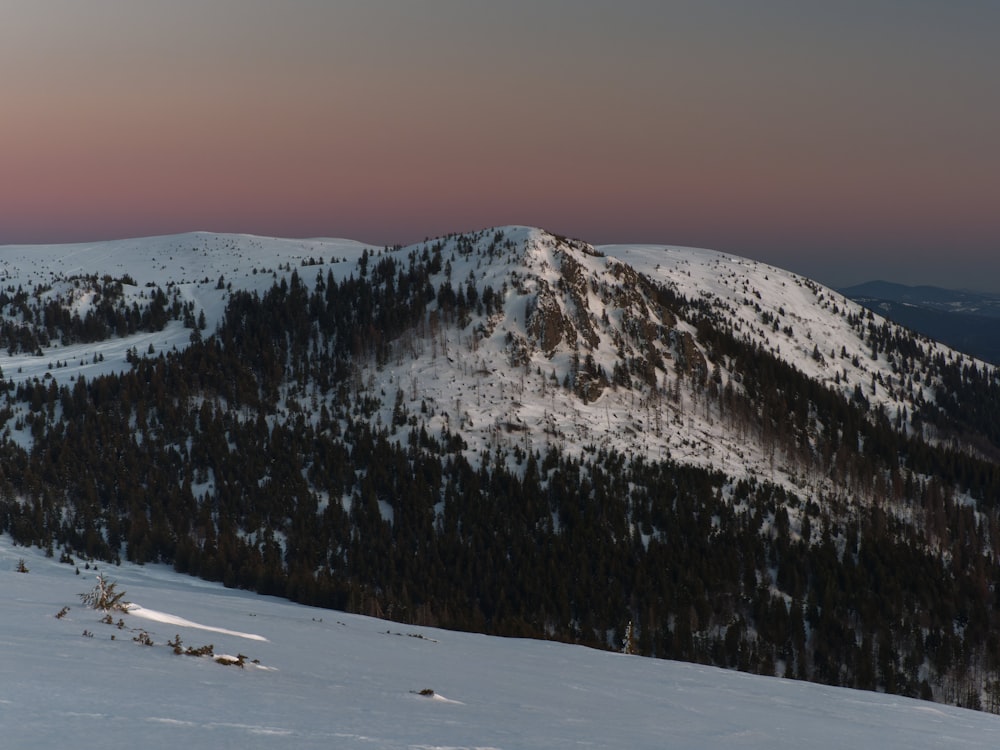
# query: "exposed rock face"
[[575, 283], [690, 360], [560, 314], [569, 312], [547, 325]]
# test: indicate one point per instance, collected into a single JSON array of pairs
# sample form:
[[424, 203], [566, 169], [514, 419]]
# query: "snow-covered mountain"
[[518, 433], [601, 320], [317, 678]]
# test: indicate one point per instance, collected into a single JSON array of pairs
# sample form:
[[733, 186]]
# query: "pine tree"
[[105, 596], [628, 644]]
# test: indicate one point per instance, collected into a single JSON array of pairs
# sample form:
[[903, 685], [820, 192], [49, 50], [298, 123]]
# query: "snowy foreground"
[[332, 680]]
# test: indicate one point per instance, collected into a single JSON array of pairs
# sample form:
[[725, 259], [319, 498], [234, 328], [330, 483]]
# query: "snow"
[[802, 305], [180, 622], [328, 679], [192, 263]]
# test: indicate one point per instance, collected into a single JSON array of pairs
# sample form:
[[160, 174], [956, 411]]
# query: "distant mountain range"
[[964, 320]]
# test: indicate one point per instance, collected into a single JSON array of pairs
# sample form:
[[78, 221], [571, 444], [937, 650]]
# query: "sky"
[[846, 141]]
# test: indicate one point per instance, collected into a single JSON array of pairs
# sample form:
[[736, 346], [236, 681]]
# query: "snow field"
[[329, 679]]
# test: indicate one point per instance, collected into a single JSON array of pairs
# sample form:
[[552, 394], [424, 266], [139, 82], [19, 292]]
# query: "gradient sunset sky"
[[845, 140]]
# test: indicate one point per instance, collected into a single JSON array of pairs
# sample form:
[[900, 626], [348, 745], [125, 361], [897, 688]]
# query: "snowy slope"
[[328, 679], [191, 263], [745, 291], [500, 380]]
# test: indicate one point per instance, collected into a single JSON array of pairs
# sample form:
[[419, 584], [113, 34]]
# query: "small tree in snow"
[[628, 645], [105, 596]]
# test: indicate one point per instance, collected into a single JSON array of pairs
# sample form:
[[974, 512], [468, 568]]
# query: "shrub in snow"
[[239, 661], [178, 647]]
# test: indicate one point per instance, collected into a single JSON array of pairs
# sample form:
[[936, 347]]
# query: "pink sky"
[[852, 142]]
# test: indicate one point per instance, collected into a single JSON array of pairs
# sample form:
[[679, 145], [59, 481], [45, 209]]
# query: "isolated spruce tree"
[[628, 644], [105, 596]]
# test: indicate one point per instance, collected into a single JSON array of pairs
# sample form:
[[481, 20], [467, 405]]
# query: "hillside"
[[565, 307], [317, 678], [517, 433]]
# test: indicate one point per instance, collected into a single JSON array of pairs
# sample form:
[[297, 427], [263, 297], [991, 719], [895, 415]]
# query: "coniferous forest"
[[251, 457]]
